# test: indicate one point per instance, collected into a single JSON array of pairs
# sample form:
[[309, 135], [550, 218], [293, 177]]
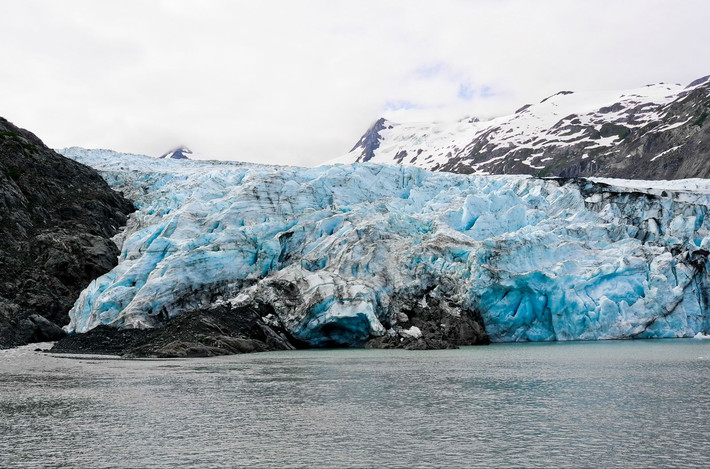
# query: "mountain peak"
[[370, 141], [179, 153]]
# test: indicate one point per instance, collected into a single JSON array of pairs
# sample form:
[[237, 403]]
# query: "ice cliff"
[[346, 253]]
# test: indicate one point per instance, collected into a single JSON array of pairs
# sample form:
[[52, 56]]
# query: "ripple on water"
[[610, 404]]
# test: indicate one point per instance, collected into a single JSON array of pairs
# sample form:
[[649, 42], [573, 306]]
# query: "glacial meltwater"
[[601, 404]]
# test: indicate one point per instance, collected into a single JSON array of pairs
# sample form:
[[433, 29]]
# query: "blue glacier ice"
[[337, 247]]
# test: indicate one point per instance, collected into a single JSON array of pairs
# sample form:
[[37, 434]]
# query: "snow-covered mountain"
[[179, 153], [384, 255], [655, 132]]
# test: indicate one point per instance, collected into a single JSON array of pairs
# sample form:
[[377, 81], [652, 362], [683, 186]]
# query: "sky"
[[298, 82]]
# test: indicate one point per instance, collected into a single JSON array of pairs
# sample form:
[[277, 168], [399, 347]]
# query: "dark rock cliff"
[[56, 220]]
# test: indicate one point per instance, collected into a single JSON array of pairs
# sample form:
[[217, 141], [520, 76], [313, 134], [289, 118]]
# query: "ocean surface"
[[599, 404]]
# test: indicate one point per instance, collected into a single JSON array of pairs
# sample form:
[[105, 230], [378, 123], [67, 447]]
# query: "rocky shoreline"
[[228, 330], [221, 330]]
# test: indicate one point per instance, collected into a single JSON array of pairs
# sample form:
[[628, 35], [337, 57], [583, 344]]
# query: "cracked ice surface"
[[332, 246]]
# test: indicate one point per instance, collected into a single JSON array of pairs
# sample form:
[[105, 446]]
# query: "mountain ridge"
[[654, 132]]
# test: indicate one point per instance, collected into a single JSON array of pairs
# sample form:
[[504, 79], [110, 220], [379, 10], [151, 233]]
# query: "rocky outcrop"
[[57, 218], [205, 332], [425, 321]]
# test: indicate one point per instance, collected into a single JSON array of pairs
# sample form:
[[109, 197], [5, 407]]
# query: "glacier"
[[347, 253]]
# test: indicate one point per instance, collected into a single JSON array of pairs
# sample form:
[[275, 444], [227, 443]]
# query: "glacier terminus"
[[347, 255]]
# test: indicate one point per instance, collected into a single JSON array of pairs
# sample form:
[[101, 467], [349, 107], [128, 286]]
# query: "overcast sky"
[[298, 82]]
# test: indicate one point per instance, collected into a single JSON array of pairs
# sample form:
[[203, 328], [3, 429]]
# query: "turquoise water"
[[601, 404]]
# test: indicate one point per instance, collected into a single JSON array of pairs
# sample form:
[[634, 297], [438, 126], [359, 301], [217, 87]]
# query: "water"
[[601, 404]]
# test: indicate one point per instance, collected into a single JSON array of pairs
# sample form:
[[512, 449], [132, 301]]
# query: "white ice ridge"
[[333, 246]]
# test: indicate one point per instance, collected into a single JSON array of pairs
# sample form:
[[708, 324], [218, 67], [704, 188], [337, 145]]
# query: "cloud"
[[298, 82], [399, 105]]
